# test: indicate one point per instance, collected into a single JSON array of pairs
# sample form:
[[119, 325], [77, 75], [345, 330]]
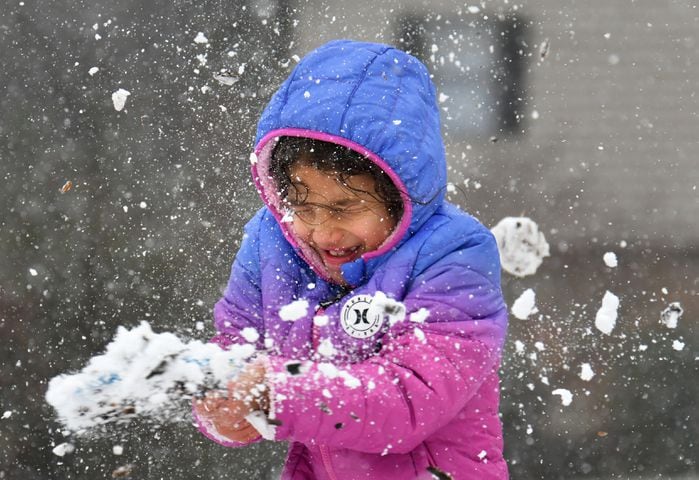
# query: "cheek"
[[299, 230]]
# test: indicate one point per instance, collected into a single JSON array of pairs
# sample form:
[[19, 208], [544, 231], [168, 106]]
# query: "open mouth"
[[339, 256]]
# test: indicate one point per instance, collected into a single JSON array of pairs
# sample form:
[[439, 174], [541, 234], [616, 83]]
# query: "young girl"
[[374, 304]]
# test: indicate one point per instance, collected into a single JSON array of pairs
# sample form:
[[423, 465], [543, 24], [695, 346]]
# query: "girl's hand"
[[247, 393]]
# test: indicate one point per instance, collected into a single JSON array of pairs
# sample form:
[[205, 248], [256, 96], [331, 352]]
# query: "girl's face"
[[341, 219]]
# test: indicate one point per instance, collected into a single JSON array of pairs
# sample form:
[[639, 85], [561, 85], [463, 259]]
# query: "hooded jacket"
[[414, 390]]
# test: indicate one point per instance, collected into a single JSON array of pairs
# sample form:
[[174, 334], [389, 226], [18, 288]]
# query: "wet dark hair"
[[331, 158]]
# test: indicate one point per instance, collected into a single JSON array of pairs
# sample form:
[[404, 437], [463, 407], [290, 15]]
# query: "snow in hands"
[[142, 373]]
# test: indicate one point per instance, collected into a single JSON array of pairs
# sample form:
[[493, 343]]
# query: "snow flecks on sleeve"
[[293, 311]]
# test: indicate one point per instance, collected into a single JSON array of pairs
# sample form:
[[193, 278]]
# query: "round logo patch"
[[358, 319]]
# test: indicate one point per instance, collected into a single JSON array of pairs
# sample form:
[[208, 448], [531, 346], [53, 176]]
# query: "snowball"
[[119, 99], [522, 246], [63, 449], [566, 396], [671, 315], [607, 314], [524, 305], [586, 372], [142, 373], [610, 259], [293, 311]]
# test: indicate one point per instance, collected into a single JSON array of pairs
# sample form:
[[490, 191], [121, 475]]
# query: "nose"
[[325, 235]]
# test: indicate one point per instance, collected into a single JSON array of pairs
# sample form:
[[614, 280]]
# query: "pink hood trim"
[[268, 191]]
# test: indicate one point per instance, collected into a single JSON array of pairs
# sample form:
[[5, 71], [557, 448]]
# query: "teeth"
[[341, 253]]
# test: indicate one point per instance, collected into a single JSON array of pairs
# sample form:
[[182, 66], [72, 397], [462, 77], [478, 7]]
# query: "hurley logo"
[[358, 319]]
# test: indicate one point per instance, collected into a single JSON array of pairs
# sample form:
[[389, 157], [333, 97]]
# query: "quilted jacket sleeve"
[[424, 374]]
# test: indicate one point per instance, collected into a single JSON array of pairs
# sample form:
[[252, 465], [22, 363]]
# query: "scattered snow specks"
[[306, 94], [443, 97], [63, 449], [201, 38], [671, 315], [610, 259], [119, 99], [397, 122], [566, 396], [293, 311], [33, 272], [605, 320], [7, 414], [677, 345], [93, 70], [473, 9], [524, 305], [117, 450], [522, 246], [586, 372]]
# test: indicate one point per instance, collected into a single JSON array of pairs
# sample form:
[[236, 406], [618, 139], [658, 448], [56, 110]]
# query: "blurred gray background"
[[581, 115]]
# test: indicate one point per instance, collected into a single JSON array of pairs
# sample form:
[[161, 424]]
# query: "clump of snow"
[[671, 315], [93, 70], [7, 414], [119, 99], [63, 449], [522, 246], [610, 259], [293, 311], [566, 396], [226, 78], [118, 450], [605, 320], [677, 345], [383, 306], [250, 334], [326, 348], [524, 305], [420, 316], [142, 373], [201, 38], [331, 371], [586, 372], [320, 320]]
